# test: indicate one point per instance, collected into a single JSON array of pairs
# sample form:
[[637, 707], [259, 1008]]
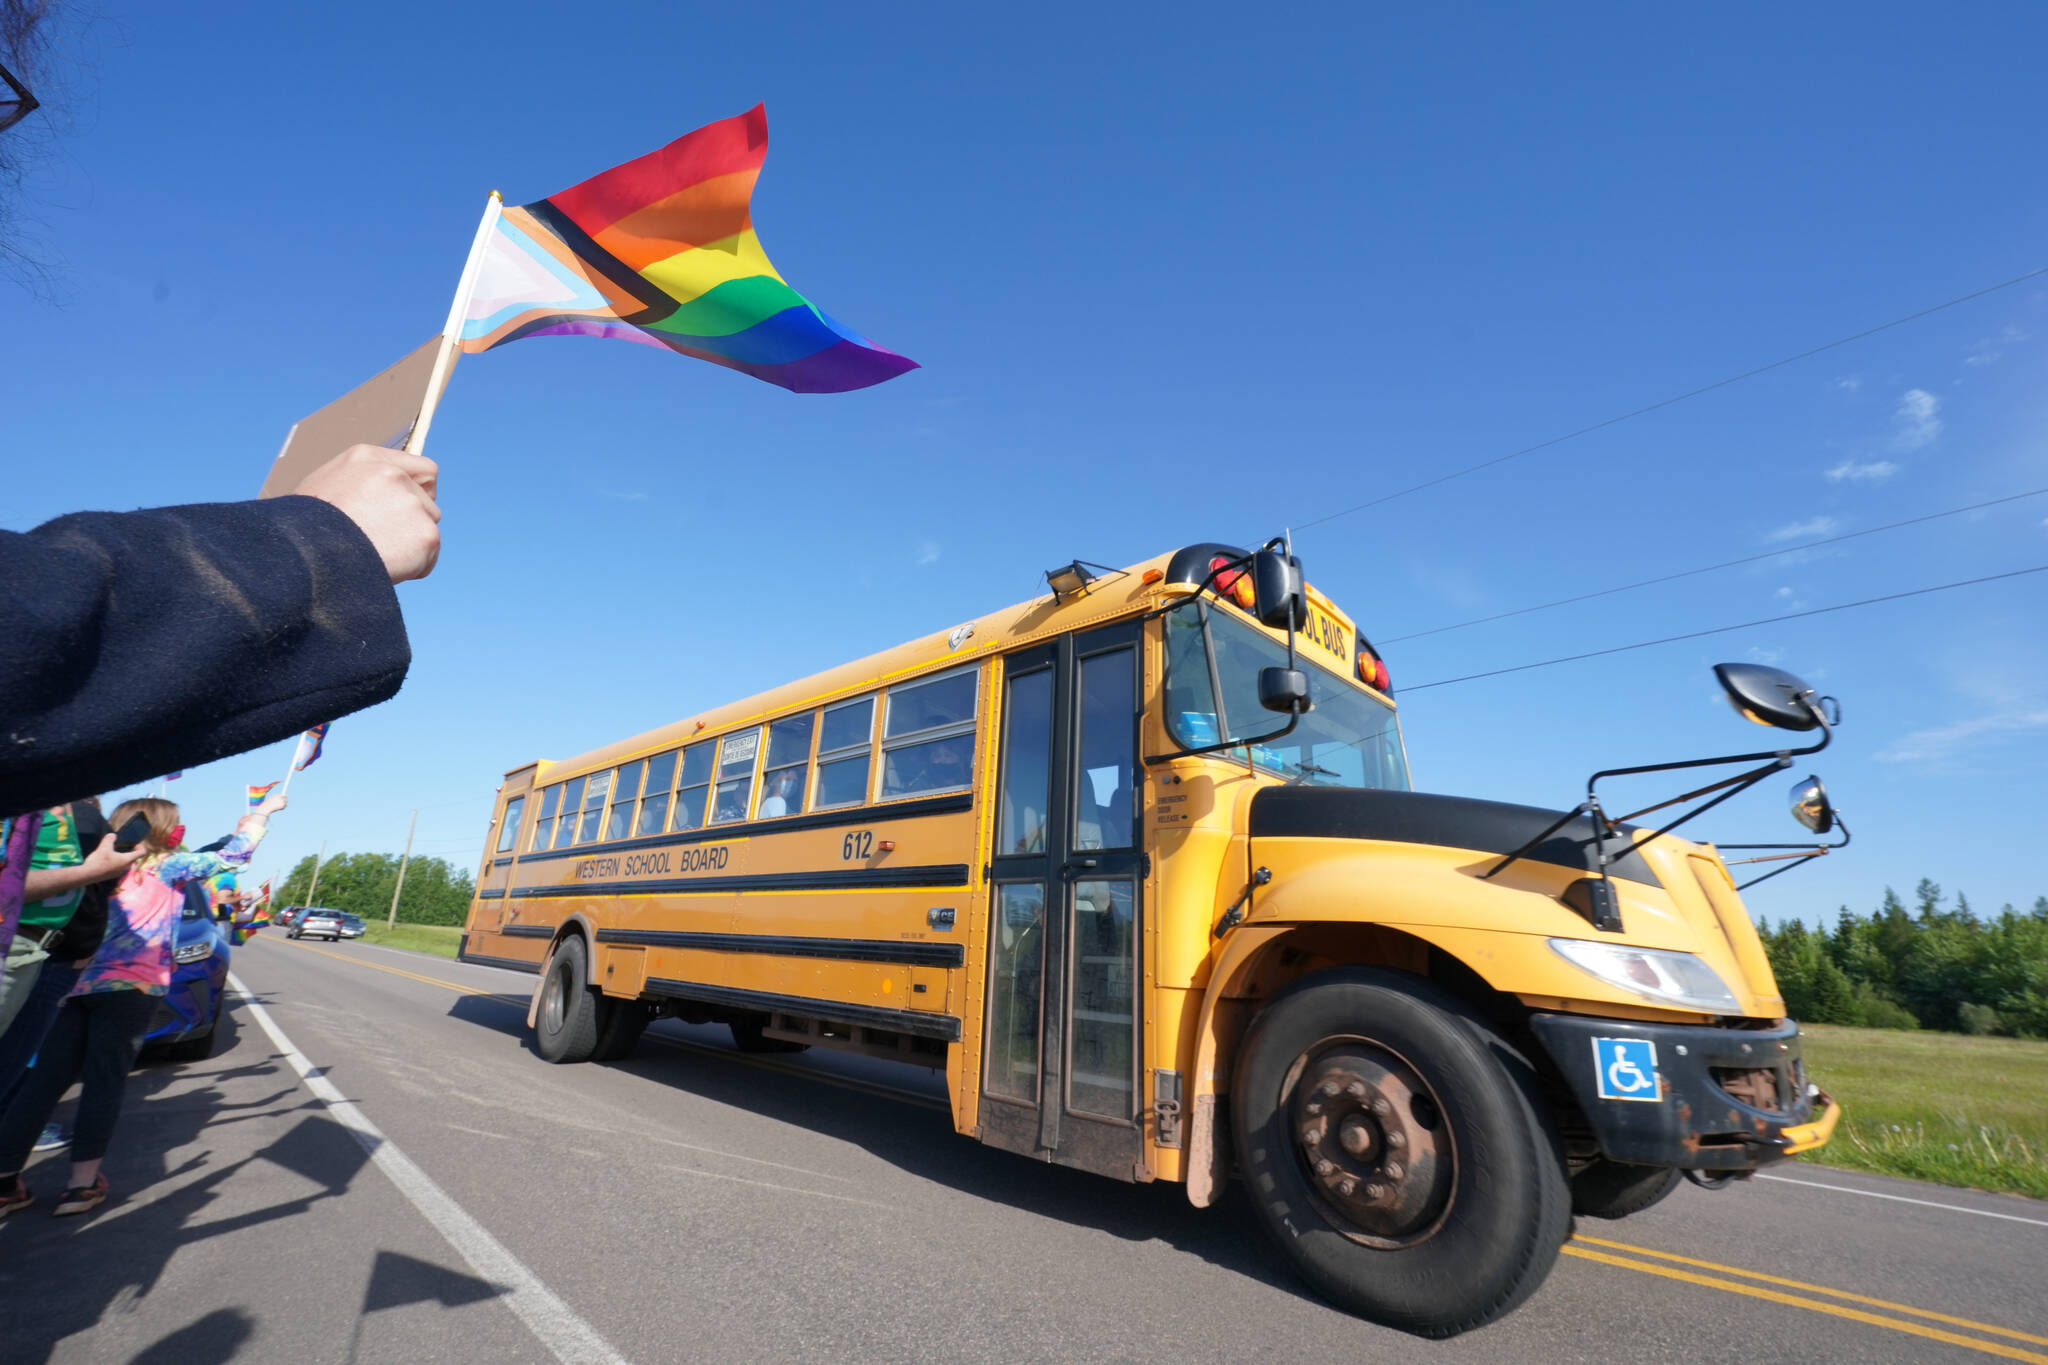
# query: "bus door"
[[1060, 1042]]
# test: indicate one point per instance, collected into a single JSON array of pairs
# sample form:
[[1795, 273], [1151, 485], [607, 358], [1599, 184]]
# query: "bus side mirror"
[[1282, 601], [1284, 690], [1811, 807], [1770, 696]]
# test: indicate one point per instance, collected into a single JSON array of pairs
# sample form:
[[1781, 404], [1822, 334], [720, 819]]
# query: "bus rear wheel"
[[1395, 1154], [567, 1024]]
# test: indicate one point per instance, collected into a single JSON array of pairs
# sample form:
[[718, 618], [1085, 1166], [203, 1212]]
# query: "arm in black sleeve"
[[133, 644]]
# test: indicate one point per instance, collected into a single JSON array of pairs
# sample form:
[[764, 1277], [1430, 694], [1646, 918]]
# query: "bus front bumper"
[[1697, 1098]]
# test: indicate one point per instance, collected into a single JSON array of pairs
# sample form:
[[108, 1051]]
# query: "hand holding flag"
[[257, 791]]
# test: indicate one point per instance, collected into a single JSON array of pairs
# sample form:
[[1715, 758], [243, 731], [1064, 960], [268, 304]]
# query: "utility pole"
[[392, 921], [317, 860]]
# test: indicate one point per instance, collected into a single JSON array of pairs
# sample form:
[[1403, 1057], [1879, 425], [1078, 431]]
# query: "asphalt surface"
[[694, 1204]]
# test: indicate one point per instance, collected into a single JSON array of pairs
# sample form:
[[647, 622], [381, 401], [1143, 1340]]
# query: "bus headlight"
[[1665, 977]]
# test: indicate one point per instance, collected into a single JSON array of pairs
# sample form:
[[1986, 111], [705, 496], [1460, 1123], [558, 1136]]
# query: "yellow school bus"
[[1137, 864]]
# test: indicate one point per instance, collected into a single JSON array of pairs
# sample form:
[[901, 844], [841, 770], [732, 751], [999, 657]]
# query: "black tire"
[[625, 1021], [747, 1036], [195, 1049], [1616, 1189], [1449, 1225], [566, 1027]]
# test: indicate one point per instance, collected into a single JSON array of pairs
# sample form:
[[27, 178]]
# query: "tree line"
[[1932, 966], [361, 883]]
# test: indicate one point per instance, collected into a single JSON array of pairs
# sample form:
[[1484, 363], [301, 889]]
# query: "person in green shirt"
[[59, 870]]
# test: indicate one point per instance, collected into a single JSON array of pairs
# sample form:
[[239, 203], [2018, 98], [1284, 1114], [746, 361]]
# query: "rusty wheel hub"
[[1373, 1144]]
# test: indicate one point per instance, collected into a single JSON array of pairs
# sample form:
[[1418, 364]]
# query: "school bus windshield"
[[1348, 738]]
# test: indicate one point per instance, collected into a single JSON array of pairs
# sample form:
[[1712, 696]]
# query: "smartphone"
[[135, 831]]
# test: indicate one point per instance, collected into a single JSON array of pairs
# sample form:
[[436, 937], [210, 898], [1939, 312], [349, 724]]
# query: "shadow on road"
[[79, 1271], [922, 1142]]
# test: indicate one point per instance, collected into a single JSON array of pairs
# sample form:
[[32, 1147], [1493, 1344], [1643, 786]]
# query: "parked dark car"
[[187, 1018], [351, 925]]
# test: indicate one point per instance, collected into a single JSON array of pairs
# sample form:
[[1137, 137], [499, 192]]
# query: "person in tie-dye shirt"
[[102, 1024]]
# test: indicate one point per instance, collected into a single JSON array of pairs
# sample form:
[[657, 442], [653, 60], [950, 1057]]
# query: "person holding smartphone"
[[59, 871], [100, 1028], [70, 949]]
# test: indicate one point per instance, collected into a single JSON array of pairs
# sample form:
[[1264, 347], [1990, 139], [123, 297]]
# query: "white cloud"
[[1928, 746], [1811, 529], [1849, 383], [1768, 657], [1849, 469], [1919, 419], [1987, 351], [927, 552]]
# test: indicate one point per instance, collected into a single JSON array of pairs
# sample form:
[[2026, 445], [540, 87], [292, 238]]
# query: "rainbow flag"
[[662, 251], [258, 792], [309, 747]]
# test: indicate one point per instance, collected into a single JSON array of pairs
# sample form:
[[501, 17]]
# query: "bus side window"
[[693, 786], [661, 776], [544, 827], [625, 791], [593, 805], [736, 755], [928, 736], [572, 804], [508, 832], [844, 738], [787, 768]]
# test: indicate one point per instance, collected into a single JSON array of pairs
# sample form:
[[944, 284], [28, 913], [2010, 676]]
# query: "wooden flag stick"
[[451, 335]]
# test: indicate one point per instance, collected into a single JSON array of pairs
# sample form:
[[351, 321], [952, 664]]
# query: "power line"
[[1723, 630], [1724, 564], [1661, 403]]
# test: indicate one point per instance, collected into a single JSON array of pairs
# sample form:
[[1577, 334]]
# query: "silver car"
[[327, 924]]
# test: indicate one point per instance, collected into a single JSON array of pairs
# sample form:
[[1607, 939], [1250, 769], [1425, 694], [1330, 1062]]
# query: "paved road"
[[694, 1204]]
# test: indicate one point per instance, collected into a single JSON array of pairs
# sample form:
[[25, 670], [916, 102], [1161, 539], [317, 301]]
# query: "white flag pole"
[[451, 335]]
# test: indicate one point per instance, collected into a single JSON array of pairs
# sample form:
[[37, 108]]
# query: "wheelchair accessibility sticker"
[[1627, 1069]]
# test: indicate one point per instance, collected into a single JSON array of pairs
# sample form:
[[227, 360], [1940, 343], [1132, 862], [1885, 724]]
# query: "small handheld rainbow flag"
[[258, 791], [309, 748], [662, 251]]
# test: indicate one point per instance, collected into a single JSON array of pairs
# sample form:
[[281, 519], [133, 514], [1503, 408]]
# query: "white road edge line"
[[572, 1340], [1900, 1198]]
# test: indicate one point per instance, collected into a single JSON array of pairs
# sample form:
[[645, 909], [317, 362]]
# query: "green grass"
[[1936, 1106], [439, 939]]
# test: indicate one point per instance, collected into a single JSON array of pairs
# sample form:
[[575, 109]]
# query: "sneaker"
[[14, 1195], [83, 1199], [52, 1138]]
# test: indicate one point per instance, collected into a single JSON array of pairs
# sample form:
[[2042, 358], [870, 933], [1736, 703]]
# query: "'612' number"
[[858, 844]]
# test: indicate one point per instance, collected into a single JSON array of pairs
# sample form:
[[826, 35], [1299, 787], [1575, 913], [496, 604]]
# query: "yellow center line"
[[682, 1044], [1815, 1289], [380, 967], [1815, 1305]]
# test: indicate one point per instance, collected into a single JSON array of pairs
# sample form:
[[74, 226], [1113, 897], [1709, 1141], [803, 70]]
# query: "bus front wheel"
[[566, 1026], [1395, 1154]]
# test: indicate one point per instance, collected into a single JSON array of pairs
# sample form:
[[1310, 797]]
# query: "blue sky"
[[1172, 277]]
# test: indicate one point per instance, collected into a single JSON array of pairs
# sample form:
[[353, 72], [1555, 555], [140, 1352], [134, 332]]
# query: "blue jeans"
[[18, 1045]]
